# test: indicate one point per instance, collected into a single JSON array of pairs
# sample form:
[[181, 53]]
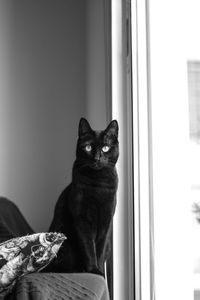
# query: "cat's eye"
[[88, 148], [105, 148]]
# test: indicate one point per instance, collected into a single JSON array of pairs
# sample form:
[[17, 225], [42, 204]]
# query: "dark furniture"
[[46, 286]]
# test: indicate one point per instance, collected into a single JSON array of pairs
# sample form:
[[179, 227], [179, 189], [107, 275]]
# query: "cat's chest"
[[96, 193], [84, 198]]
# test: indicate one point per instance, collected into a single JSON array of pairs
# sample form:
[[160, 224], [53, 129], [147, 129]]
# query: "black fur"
[[85, 209]]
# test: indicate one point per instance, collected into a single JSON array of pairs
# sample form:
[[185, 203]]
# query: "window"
[[133, 237], [154, 241]]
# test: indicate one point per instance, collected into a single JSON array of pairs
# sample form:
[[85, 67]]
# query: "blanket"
[[52, 286]]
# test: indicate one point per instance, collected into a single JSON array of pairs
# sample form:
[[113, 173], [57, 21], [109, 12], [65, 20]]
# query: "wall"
[[52, 72], [97, 66], [42, 97]]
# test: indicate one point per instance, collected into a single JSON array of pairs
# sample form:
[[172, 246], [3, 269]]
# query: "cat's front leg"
[[103, 245], [87, 247], [102, 249]]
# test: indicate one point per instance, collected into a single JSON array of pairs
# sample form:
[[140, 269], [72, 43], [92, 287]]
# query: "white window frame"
[[133, 253]]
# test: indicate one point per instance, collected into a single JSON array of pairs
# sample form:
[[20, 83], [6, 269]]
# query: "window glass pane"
[[174, 57]]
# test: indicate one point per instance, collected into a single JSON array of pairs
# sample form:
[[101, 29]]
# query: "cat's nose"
[[97, 156]]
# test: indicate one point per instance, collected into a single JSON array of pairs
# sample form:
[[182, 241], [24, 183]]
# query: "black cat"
[[85, 209]]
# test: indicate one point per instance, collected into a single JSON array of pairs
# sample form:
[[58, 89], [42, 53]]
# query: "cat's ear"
[[112, 128], [84, 127]]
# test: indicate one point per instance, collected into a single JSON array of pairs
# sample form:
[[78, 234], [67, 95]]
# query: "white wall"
[[52, 72], [97, 63], [42, 97]]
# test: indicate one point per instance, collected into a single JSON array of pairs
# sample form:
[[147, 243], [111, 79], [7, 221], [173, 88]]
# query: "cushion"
[[5, 232], [26, 254], [13, 218]]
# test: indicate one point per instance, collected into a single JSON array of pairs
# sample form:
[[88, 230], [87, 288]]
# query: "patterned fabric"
[[27, 254]]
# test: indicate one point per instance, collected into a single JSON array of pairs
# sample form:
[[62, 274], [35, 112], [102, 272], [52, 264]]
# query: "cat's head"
[[97, 149]]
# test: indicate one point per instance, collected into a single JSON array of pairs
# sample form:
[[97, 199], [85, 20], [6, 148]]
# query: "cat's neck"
[[87, 175]]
